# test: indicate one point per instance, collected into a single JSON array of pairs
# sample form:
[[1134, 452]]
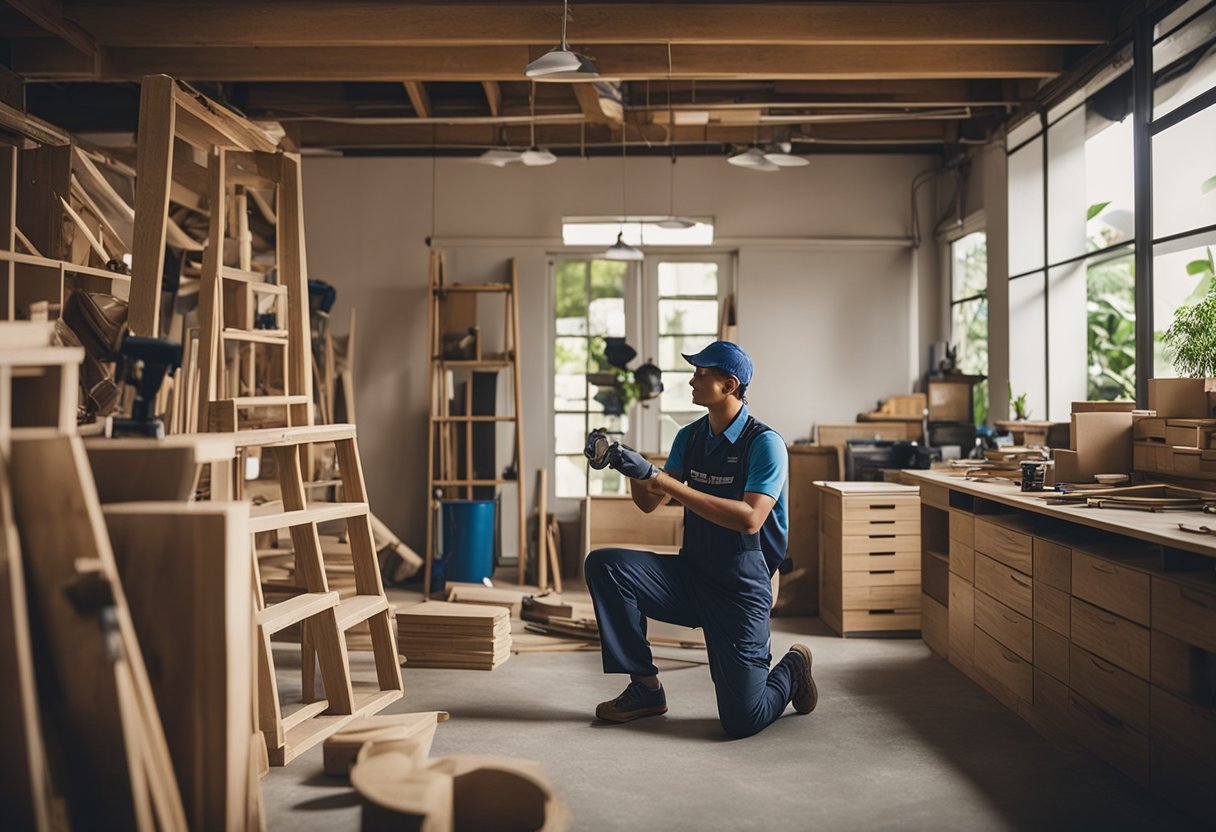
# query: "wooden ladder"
[[323, 616], [230, 298], [444, 480]]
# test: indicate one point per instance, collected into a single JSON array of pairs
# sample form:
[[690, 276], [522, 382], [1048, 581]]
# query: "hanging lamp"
[[561, 64], [499, 156], [621, 250], [534, 156]]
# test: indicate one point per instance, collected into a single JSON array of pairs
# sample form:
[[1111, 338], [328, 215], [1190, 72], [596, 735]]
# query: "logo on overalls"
[[709, 479]]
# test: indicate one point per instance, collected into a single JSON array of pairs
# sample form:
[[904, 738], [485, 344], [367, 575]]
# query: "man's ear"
[[729, 385]]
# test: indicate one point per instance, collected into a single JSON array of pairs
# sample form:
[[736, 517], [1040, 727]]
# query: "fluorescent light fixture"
[[560, 64], [621, 250], [535, 157]]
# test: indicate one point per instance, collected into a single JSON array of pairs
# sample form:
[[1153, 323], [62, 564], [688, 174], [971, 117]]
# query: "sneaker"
[[635, 702], [805, 695]]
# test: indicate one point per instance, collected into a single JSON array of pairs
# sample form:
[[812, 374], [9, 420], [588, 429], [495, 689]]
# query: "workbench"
[[1097, 626]]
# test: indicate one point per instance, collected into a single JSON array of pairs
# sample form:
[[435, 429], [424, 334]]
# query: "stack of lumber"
[[457, 636]]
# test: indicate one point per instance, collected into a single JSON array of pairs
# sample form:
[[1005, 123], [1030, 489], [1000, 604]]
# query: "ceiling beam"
[[330, 135], [598, 107], [401, 63], [493, 96], [315, 23], [420, 99], [49, 15]]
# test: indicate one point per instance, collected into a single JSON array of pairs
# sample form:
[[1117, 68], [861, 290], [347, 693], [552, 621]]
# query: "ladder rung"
[[485, 362], [323, 483], [359, 608], [268, 288], [474, 287], [286, 437], [257, 336], [265, 401], [316, 513], [472, 482], [473, 418], [233, 273], [304, 713], [294, 610]]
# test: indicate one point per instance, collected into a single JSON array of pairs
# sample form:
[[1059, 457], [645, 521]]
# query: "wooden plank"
[[210, 299], [185, 570], [49, 15], [293, 273], [154, 165], [493, 96], [597, 106], [122, 775], [420, 99], [312, 23], [8, 229], [626, 62], [206, 123], [31, 127], [22, 757]]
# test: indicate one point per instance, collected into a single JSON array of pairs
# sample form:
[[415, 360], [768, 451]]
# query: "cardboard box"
[[1148, 428], [1103, 443], [949, 401], [1183, 398], [1103, 407], [1065, 468], [1191, 433]]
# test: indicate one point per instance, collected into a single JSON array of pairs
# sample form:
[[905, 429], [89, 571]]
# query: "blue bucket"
[[468, 540]]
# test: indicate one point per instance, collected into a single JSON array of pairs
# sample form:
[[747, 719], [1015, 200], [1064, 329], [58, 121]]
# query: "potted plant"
[[1020, 411], [1190, 342]]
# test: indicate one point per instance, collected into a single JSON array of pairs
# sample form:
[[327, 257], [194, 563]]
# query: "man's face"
[[709, 386]]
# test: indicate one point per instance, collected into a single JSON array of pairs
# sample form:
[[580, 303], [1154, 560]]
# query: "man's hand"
[[631, 463]]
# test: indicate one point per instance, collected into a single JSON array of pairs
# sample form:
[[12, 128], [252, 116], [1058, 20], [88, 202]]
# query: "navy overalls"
[[720, 582]]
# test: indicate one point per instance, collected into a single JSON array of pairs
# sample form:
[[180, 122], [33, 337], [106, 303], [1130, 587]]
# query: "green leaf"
[[1196, 267], [1098, 207], [1208, 186]]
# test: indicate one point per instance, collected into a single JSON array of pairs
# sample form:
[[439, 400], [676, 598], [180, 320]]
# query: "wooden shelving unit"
[[445, 480]]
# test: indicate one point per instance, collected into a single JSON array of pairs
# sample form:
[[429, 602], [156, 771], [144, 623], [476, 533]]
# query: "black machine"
[[145, 362], [865, 459]]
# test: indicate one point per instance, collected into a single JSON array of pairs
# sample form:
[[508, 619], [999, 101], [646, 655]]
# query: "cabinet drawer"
[[866, 621], [1051, 702], [935, 495], [1112, 739], [865, 528], [879, 507], [1010, 628], [1003, 666], [962, 621], [1189, 727], [1111, 586], [1110, 637], [880, 561], [1182, 668], [935, 577], [934, 625], [962, 527], [1052, 564], [1009, 546], [1010, 587], [1051, 607], [880, 543], [1111, 688], [882, 577], [962, 559], [881, 597], [1186, 612], [1051, 652]]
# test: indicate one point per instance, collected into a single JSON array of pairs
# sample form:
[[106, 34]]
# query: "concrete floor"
[[900, 740]]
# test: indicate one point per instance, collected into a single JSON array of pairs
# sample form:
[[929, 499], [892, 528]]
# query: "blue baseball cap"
[[726, 356]]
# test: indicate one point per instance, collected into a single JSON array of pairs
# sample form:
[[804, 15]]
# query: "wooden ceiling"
[[449, 77]]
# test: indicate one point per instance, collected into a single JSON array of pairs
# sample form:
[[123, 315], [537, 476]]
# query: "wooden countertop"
[[853, 487], [1155, 527]]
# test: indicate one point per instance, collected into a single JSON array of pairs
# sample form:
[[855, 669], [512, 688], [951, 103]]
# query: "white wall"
[[832, 327]]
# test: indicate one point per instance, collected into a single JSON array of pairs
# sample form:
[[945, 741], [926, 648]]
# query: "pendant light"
[[621, 250], [499, 156], [780, 156], [752, 159], [535, 157], [560, 64]]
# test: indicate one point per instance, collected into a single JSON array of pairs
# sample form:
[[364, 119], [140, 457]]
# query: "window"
[[590, 306], [969, 312], [687, 322]]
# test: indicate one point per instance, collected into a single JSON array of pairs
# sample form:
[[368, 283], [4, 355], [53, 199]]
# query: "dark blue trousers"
[[727, 596]]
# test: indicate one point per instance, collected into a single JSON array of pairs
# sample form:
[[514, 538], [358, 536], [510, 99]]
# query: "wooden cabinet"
[[799, 593], [1084, 634], [870, 557]]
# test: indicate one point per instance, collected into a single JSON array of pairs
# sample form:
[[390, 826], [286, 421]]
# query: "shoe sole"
[[805, 652], [630, 716]]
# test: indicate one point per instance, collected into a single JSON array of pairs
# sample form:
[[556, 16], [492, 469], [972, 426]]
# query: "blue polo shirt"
[[768, 462]]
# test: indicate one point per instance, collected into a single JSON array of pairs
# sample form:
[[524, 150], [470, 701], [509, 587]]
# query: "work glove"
[[631, 463]]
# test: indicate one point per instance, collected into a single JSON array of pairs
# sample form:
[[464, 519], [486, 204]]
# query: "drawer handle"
[[1110, 622], [882, 522], [1100, 666], [882, 571], [1014, 578], [1102, 715], [882, 506], [1009, 657], [1005, 616], [1197, 601], [1104, 569], [882, 554], [881, 536]]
